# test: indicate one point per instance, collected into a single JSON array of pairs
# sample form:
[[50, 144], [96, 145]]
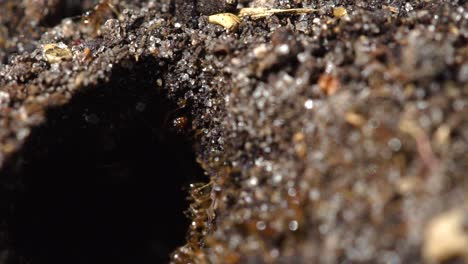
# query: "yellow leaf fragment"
[[442, 135], [56, 52], [355, 119], [262, 12], [339, 12], [227, 20], [390, 8], [445, 237]]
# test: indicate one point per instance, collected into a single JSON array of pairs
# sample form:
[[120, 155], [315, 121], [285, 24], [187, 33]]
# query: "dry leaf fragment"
[[445, 237], [339, 12], [227, 20], [56, 52], [262, 12], [355, 119], [442, 135], [390, 8], [231, 21]]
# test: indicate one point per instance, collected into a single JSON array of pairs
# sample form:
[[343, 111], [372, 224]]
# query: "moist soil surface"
[[141, 132]]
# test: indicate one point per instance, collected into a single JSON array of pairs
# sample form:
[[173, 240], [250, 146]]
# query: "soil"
[[332, 136]]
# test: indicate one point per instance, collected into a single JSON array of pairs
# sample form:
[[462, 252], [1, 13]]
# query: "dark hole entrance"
[[103, 179]]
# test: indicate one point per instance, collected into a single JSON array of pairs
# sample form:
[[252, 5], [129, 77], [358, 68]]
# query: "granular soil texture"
[[332, 136]]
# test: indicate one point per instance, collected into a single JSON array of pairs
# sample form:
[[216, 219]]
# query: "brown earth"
[[336, 136]]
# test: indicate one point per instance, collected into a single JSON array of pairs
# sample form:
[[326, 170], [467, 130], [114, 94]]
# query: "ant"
[[201, 201], [180, 121], [101, 12]]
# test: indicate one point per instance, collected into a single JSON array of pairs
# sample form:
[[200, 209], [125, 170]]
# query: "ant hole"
[[102, 181]]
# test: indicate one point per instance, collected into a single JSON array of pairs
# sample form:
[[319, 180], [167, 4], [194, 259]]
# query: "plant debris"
[[262, 12], [227, 20], [55, 53], [446, 237], [339, 12]]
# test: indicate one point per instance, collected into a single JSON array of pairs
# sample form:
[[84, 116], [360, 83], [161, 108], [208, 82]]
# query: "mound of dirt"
[[312, 132]]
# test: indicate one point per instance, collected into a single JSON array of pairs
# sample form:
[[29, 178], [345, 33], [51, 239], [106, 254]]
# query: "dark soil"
[[337, 136]]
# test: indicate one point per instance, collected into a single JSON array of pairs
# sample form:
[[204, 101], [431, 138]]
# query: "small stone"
[[408, 7], [293, 225], [260, 51], [261, 225], [394, 144], [309, 104]]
